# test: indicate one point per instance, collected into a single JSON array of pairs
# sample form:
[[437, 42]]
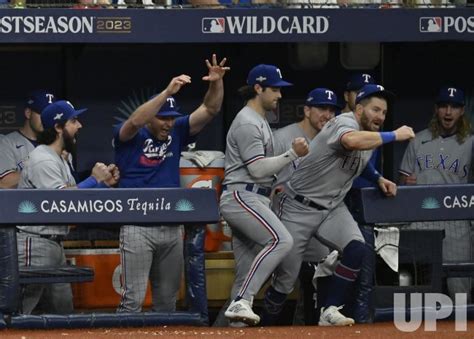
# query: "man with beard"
[[148, 146], [250, 169], [17, 145], [46, 169], [313, 200], [442, 154]]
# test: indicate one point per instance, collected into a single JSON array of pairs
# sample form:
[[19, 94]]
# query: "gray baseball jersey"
[[326, 174], [324, 177], [283, 139], [253, 223], [248, 139], [438, 160], [15, 150], [443, 161], [45, 169]]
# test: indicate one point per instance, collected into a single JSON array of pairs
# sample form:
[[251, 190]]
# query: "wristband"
[[90, 182], [387, 137]]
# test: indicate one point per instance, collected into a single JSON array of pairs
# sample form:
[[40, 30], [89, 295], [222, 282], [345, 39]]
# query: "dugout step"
[[458, 269]]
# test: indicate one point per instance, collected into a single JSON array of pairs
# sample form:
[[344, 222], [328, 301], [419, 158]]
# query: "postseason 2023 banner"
[[234, 25], [111, 206]]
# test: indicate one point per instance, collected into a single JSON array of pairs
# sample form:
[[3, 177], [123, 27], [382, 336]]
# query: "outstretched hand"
[[216, 70]]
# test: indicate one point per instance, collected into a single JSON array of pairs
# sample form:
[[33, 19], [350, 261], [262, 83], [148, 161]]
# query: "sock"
[[345, 273], [273, 303]]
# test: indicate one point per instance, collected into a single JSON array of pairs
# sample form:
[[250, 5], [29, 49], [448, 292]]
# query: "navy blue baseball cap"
[[359, 80], [59, 111], [372, 89], [39, 99], [322, 97], [451, 95], [169, 109], [266, 76]]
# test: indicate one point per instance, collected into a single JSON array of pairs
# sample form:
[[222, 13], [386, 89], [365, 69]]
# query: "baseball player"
[[313, 204], [147, 150], [17, 145], [442, 154], [320, 107], [250, 168], [47, 169]]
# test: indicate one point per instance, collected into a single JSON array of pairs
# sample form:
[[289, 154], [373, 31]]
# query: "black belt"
[[266, 191], [307, 202], [53, 237]]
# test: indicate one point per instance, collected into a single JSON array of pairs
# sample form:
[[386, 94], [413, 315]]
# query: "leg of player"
[[251, 218], [167, 267], [136, 255], [340, 230]]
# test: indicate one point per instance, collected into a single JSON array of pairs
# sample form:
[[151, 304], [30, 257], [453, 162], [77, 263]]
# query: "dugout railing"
[[419, 248], [192, 207]]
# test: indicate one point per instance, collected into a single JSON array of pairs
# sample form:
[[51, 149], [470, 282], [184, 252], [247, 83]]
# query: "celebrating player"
[[442, 154], [250, 167], [313, 204], [147, 150], [47, 169]]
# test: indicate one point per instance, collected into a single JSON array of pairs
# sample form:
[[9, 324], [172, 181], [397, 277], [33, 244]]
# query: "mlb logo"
[[213, 25], [431, 24]]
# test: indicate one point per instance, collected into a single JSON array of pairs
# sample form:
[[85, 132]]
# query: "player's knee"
[[286, 243], [355, 250]]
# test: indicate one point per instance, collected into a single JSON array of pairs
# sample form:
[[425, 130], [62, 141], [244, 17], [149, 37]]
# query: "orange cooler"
[[104, 291], [211, 176]]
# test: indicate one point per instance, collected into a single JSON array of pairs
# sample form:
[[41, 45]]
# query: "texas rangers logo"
[[213, 25], [431, 24]]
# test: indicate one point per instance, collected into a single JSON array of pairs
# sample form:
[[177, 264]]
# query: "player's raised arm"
[[212, 102], [144, 113]]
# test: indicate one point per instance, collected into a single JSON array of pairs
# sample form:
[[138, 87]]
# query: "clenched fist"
[[404, 133], [300, 146], [101, 172]]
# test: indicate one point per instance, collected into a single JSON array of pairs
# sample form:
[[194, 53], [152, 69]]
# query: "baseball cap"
[[372, 89], [39, 99], [359, 80], [451, 95], [169, 109], [59, 111], [266, 76], [322, 96]]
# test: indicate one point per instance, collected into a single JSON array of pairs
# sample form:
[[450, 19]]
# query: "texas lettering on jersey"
[[442, 162], [350, 162]]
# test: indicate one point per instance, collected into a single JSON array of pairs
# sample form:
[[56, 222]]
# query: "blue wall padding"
[[195, 271], [9, 287], [96, 320]]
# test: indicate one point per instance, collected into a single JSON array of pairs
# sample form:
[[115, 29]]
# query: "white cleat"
[[241, 311], [332, 317]]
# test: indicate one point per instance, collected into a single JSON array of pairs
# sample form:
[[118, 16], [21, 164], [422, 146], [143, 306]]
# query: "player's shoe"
[[242, 311], [332, 317]]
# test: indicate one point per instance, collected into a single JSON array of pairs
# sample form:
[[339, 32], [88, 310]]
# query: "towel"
[[202, 158], [386, 245]]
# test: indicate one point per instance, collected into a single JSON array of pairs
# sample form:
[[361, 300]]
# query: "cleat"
[[332, 317], [241, 311]]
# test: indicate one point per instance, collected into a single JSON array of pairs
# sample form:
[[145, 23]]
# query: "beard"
[[69, 142]]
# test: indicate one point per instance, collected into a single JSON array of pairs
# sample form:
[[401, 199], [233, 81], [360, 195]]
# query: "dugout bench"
[[192, 207], [412, 204]]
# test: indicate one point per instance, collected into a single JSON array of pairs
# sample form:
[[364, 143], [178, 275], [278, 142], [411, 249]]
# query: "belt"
[[53, 237], [265, 191], [307, 202]]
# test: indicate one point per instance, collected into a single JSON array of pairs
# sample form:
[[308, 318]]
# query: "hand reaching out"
[[216, 70]]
